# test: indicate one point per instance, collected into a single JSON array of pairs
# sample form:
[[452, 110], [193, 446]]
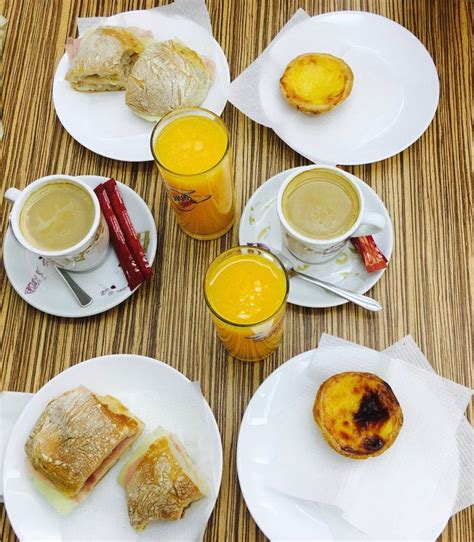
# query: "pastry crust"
[[358, 414], [315, 83], [105, 58], [78, 438], [167, 75], [161, 482]]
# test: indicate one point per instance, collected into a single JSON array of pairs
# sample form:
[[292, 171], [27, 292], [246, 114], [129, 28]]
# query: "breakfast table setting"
[[236, 292]]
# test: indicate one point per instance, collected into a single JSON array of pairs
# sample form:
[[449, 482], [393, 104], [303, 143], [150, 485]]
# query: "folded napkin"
[[193, 10], [407, 493]]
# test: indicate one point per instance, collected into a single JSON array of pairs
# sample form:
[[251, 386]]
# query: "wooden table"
[[426, 188]]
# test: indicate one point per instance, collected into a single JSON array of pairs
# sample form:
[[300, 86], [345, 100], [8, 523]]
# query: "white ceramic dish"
[[40, 286], [393, 100], [282, 517], [279, 516], [259, 224], [156, 393], [102, 122]]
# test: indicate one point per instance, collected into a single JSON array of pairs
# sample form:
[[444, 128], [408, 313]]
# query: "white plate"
[[259, 224], [282, 517], [102, 122], [279, 516], [156, 393], [40, 286], [393, 100]]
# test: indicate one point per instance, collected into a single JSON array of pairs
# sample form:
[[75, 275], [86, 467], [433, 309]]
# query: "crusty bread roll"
[[358, 414], [103, 57], [167, 75], [315, 83], [76, 440], [160, 480]]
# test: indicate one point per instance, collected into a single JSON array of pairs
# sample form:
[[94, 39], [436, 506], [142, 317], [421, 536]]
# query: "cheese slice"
[[63, 505]]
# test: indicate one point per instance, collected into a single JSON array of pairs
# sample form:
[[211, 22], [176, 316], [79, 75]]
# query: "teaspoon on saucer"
[[358, 299], [82, 297]]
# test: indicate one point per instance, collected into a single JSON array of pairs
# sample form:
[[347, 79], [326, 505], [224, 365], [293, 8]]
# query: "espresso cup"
[[89, 247], [320, 208]]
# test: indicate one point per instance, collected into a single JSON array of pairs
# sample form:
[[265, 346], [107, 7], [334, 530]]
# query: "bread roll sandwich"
[[160, 480], [167, 75], [76, 440], [358, 414], [315, 83], [103, 57]]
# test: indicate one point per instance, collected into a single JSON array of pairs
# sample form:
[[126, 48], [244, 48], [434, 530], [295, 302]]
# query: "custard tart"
[[358, 414], [315, 83]]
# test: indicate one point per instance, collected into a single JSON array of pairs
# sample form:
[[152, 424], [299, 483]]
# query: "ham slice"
[[73, 44], [72, 47], [106, 465]]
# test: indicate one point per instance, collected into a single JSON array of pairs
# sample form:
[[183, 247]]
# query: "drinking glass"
[[203, 200], [256, 340]]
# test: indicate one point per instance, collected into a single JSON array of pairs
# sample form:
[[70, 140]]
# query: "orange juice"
[[246, 290], [191, 148]]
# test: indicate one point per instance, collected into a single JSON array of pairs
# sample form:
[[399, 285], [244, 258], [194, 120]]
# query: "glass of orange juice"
[[246, 290], [191, 148]]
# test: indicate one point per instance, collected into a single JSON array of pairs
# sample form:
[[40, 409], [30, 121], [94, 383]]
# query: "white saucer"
[[158, 395], [102, 122], [259, 224], [39, 284], [393, 100]]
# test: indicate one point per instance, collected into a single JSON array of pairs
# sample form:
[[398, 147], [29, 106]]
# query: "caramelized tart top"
[[358, 414]]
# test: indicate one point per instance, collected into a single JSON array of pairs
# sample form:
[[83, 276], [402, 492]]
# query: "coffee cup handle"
[[371, 223], [12, 194]]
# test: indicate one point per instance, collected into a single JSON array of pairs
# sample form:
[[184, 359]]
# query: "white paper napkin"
[[244, 92], [411, 490], [11, 406], [194, 10]]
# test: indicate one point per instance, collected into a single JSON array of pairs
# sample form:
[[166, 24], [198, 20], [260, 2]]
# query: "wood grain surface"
[[427, 189]]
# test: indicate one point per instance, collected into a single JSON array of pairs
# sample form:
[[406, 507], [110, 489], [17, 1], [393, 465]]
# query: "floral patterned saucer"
[[259, 224], [39, 284]]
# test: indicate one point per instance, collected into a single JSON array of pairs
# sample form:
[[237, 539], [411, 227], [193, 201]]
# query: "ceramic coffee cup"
[[86, 254], [310, 248]]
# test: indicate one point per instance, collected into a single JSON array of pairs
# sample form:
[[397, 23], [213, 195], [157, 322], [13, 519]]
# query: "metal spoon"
[[83, 298], [359, 299]]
